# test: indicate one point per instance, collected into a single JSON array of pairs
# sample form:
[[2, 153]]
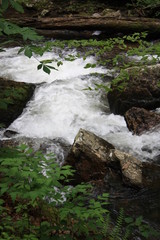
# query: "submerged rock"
[[140, 120], [14, 97], [10, 133], [142, 91]]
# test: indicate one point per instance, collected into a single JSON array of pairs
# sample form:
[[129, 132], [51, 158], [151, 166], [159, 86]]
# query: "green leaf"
[[59, 63], [128, 220], [70, 58], [3, 190], [1, 201], [29, 33], [139, 221], [13, 196], [89, 65], [28, 52], [46, 61], [27, 186], [5, 4], [22, 147], [3, 105], [46, 69], [17, 6], [87, 89], [21, 50], [51, 67]]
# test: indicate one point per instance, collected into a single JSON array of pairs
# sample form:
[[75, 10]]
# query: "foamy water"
[[61, 106]]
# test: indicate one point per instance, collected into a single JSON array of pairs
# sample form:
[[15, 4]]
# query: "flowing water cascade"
[[61, 104]]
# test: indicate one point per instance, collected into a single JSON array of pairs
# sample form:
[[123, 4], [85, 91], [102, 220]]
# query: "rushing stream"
[[61, 106]]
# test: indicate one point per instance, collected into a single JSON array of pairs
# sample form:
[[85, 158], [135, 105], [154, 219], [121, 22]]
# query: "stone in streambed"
[[94, 159], [13, 99], [137, 173], [88, 156], [142, 90], [140, 120], [10, 133]]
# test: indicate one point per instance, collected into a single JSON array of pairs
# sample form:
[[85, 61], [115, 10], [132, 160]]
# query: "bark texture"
[[111, 24]]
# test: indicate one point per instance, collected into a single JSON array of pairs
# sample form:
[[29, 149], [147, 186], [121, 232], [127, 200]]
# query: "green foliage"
[[120, 82], [89, 65], [146, 7], [117, 228], [12, 30], [9, 28], [145, 230], [46, 68], [70, 58], [14, 4], [8, 95], [26, 33], [34, 204], [31, 182]]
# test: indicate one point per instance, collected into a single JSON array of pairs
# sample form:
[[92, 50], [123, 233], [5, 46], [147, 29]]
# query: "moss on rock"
[[13, 98]]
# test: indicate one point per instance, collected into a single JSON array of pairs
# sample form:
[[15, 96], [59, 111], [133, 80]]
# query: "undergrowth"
[[37, 202]]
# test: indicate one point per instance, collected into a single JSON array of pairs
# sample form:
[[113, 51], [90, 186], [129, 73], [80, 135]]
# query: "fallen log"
[[109, 24]]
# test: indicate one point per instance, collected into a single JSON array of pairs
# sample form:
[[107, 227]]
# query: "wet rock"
[[157, 159], [130, 167], [108, 12], [59, 147], [14, 97], [137, 173], [96, 160], [142, 91], [140, 120], [10, 133], [89, 155], [96, 15]]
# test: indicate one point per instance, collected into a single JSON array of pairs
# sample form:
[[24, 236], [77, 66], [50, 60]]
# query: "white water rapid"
[[61, 106]]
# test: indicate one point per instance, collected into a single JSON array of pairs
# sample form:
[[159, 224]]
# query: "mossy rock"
[[13, 98], [142, 90]]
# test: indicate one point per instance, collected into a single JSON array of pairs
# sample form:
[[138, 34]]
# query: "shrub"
[[34, 204]]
